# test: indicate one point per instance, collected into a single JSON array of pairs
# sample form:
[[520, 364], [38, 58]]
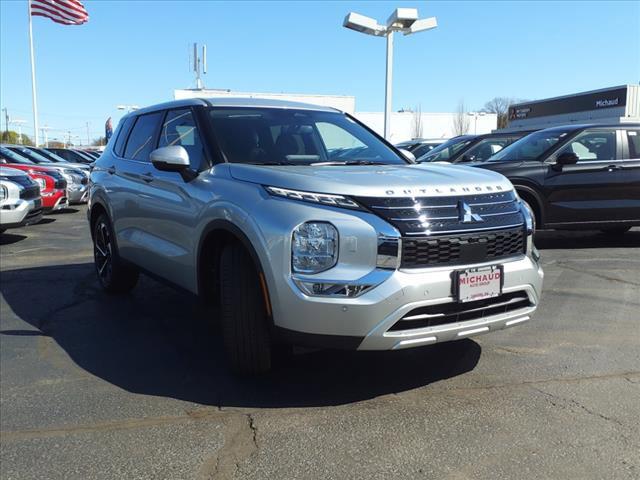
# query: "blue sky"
[[136, 52]]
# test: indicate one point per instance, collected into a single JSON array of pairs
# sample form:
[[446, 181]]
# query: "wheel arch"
[[215, 236], [533, 198]]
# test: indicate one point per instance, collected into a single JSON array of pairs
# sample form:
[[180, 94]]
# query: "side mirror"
[[173, 158], [567, 158], [408, 155], [467, 158]]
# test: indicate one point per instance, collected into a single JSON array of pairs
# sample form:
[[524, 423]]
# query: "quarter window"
[[118, 148], [633, 136], [179, 128], [593, 146], [140, 141]]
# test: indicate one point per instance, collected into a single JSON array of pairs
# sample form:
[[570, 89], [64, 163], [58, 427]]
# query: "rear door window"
[[142, 138]]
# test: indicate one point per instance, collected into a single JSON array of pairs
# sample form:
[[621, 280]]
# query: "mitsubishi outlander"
[[307, 228]]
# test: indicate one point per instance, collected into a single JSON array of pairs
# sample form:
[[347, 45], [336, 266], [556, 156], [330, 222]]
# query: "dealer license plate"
[[479, 283]]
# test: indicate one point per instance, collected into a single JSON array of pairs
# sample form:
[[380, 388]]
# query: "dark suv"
[[471, 148], [577, 176]]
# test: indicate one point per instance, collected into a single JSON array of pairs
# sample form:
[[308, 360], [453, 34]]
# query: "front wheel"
[[245, 329], [114, 276]]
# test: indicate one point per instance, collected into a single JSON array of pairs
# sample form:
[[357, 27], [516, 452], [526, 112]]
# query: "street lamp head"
[[422, 25], [402, 18], [363, 24]]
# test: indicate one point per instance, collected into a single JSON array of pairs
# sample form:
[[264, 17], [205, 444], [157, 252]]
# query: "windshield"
[[35, 157], [11, 156], [531, 147], [50, 156], [446, 150], [277, 136]]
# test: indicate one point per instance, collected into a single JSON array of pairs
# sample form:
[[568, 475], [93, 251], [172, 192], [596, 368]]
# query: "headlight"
[[4, 192], [41, 183], [314, 247], [529, 222], [323, 198]]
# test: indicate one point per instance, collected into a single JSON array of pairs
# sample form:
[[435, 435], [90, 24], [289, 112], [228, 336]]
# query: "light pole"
[[19, 124], [475, 116], [128, 108], [403, 20]]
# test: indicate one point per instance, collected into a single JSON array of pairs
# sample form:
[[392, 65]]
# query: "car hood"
[[375, 181], [11, 172]]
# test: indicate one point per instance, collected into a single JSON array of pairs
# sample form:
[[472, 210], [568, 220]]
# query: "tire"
[[244, 324], [614, 231], [114, 276]]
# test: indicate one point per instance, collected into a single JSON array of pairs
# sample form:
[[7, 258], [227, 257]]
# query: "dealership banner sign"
[[613, 98]]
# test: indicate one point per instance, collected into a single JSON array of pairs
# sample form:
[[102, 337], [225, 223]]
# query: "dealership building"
[[403, 123], [606, 106]]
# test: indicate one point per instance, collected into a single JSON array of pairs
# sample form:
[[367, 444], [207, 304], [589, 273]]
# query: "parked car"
[[92, 153], [20, 201], [421, 146], [53, 158], [577, 176], [258, 206], [471, 148], [77, 180], [71, 155]]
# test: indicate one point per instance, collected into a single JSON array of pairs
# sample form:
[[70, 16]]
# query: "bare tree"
[[500, 106], [417, 122], [461, 120]]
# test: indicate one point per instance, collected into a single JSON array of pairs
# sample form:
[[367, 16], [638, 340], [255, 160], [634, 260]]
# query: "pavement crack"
[[568, 266], [567, 403]]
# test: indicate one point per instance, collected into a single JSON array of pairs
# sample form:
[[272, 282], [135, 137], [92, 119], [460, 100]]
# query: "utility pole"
[[45, 135], [88, 141], [6, 124], [69, 139]]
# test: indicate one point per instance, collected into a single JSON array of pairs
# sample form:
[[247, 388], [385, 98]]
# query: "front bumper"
[[77, 193], [365, 322], [19, 213]]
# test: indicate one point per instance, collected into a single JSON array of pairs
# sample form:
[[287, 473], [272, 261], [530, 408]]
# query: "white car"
[[20, 201]]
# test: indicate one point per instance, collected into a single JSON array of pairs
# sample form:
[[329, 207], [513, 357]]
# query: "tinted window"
[[592, 145], [140, 142], [532, 146], [633, 136], [443, 152], [296, 137], [485, 149], [123, 133], [179, 128], [423, 149]]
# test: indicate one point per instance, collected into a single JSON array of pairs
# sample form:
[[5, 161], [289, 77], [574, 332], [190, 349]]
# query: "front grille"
[[462, 249], [426, 216], [435, 315], [60, 184], [30, 192]]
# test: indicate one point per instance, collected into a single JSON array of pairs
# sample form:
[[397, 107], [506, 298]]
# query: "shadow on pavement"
[[552, 240], [156, 341], [10, 238]]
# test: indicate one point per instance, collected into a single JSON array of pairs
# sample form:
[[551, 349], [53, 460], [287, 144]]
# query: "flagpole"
[[33, 81]]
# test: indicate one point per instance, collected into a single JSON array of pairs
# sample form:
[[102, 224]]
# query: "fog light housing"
[[314, 247]]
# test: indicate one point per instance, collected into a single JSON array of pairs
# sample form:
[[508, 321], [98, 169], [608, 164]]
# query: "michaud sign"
[[612, 98]]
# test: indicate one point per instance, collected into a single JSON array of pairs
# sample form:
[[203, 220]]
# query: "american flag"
[[66, 12]]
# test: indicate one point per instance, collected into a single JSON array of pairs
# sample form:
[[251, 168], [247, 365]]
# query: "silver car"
[[307, 228], [20, 201]]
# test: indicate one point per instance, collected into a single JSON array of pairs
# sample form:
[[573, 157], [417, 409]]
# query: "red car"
[[53, 187]]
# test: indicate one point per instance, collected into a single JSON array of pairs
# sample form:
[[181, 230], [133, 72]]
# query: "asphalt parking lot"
[[95, 386]]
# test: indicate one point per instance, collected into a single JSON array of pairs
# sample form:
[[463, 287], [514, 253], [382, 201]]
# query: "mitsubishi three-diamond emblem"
[[466, 214]]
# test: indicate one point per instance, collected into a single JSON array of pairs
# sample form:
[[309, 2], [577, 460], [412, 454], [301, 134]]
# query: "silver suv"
[[307, 228]]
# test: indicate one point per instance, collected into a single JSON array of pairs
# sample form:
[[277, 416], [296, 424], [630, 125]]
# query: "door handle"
[[111, 170], [147, 177], [611, 168]]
